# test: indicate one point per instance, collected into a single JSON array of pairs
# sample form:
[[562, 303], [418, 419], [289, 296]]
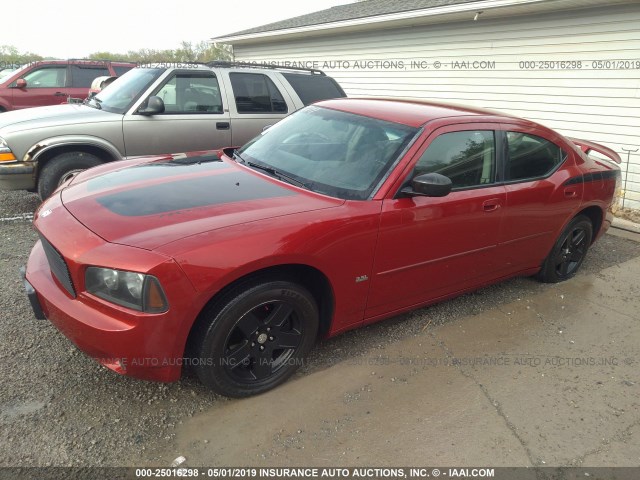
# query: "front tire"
[[255, 338], [58, 169], [569, 251]]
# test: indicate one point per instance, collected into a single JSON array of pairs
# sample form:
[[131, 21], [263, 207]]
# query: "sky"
[[75, 28]]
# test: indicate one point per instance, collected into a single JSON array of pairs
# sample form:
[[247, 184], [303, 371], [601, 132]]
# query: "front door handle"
[[222, 125], [491, 205]]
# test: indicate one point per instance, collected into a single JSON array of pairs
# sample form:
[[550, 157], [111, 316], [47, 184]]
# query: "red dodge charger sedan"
[[346, 212]]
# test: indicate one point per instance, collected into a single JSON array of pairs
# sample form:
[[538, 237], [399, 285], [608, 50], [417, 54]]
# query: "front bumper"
[[127, 346], [17, 176], [32, 295]]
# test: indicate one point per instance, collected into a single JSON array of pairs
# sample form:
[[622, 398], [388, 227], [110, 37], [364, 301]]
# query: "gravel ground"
[[58, 407]]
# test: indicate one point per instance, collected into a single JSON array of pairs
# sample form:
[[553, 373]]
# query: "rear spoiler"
[[586, 146]]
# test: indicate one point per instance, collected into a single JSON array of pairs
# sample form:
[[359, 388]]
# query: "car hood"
[[156, 202], [56, 115]]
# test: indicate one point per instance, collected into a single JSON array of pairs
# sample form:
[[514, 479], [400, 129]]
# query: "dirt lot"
[[519, 374]]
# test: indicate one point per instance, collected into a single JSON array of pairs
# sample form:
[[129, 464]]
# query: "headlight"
[[6, 155], [129, 289]]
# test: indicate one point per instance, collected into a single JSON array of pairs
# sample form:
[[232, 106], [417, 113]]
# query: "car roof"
[[81, 62], [413, 112]]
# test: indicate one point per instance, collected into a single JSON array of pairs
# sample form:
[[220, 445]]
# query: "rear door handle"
[[491, 205], [222, 125], [570, 193]]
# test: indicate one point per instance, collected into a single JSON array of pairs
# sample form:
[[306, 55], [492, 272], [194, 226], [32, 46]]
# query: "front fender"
[[337, 242], [51, 143]]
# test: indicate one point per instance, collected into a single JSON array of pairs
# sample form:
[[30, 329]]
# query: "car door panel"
[[195, 118], [249, 111], [45, 86], [430, 247], [537, 209]]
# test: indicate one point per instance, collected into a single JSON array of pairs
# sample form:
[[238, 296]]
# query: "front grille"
[[58, 266]]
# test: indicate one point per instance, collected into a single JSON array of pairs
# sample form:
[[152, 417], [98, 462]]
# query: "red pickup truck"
[[51, 82]]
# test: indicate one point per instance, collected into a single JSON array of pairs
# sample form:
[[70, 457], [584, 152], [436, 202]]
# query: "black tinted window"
[[256, 93], [120, 70], [531, 156], [82, 77], [467, 158], [311, 88]]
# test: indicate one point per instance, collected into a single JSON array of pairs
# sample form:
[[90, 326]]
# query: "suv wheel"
[[59, 168]]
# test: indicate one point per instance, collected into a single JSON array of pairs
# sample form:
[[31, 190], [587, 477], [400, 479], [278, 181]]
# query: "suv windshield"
[[331, 152], [125, 90]]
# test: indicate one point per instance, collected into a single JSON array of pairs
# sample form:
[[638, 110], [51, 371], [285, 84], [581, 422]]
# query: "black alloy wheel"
[[255, 337], [569, 251]]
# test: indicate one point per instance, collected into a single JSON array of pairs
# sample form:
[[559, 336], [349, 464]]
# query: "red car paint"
[[380, 256], [67, 84]]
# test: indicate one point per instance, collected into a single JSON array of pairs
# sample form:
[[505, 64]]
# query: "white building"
[[573, 65]]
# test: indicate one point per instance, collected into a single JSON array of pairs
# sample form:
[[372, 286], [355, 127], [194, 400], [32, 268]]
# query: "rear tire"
[[569, 251], [59, 168], [255, 338]]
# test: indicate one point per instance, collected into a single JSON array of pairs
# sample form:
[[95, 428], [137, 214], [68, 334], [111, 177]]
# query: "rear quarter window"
[[312, 88]]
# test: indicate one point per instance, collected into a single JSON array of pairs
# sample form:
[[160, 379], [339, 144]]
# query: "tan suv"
[[153, 109]]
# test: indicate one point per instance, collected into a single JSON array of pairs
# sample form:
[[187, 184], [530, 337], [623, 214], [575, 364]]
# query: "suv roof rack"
[[97, 60], [274, 66]]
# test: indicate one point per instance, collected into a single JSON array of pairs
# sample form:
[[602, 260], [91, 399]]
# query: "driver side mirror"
[[154, 105], [429, 185], [21, 83]]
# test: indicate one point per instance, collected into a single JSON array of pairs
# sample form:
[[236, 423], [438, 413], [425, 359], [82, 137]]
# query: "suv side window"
[[256, 93], [191, 93], [47, 77], [530, 156], [311, 88], [468, 158], [81, 77]]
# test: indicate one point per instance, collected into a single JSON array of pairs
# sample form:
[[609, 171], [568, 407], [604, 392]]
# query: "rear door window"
[[312, 88], [530, 156], [82, 76], [256, 93]]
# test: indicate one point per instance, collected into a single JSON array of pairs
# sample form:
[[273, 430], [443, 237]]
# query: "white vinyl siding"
[[602, 105]]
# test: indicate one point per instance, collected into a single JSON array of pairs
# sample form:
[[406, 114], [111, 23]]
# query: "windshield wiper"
[[236, 156], [278, 174], [273, 172]]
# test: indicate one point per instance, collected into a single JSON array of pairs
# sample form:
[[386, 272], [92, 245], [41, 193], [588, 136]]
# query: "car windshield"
[[125, 90], [331, 152]]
